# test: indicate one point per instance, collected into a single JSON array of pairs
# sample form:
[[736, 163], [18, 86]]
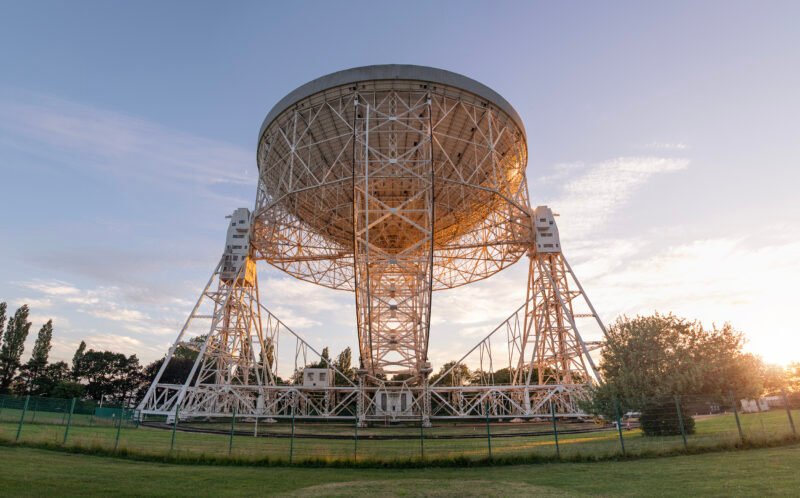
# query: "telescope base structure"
[[341, 403], [533, 364]]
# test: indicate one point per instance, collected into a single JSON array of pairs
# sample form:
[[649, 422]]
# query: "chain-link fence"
[[663, 426]]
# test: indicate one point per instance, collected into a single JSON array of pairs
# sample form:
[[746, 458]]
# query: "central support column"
[[393, 230]]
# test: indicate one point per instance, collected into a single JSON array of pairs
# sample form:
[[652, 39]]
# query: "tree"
[[178, 368], [177, 371], [110, 375], [269, 353], [774, 378], [501, 376], [793, 377], [459, 376], [648, 359], [2, 320], [128, 380], [41, 351], [68, 389], [344, 363], [76, 360], [13, 346], [325, 358], [49, 377]]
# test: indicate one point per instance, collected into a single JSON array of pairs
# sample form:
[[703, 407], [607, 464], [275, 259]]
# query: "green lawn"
[[94, 432], [760, 472]]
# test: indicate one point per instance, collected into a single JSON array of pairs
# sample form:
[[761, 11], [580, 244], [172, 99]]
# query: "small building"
[[754, 406], [317, 377], [547, 238], [394, 403], [237, 247]]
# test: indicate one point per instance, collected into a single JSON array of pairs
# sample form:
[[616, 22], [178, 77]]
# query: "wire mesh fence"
[[665, 425]]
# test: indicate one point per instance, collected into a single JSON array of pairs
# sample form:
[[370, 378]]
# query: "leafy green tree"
[[129, 379], [76, 361], [344, 363], [109, 375], [13, 347], [41, 351], [651, 358], [503, 375]]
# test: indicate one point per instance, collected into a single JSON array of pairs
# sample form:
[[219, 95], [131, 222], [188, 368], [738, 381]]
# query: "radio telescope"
[[390, 182]]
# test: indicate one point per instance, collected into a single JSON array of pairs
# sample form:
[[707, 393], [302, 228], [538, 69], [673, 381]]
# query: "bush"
[[660, 418]]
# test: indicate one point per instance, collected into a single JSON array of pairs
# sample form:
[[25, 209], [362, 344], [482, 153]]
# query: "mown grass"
[[92, 434], [759, 472]]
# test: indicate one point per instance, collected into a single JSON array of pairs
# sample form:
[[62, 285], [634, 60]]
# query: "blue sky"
[[665, 134]]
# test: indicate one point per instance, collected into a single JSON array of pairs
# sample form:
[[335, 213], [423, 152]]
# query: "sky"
[[665, 134]]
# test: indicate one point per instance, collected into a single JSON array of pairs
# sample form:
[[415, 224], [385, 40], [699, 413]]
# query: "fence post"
[[119, 428], [291, 442], [255, 429], [680, 421], [619, 425], [35, 408], [2, 403], [788, 411], [174, 428], [355, 443], [488, 431], [555, 428], [22, 418], [69, 420], [421, 439], [736, 414], [64, 415], [233, 428]]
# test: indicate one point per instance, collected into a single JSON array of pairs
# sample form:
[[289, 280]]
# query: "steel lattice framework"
[[390, 182], [392, 188]]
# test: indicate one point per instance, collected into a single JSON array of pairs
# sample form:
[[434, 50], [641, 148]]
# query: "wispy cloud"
[[32, 302], [100, 302], [52, 288], [666, 146], [119, 144], [590, 195]]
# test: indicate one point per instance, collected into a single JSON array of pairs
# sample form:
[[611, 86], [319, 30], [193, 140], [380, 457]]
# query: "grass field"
[[717, 431], [758, 472]]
